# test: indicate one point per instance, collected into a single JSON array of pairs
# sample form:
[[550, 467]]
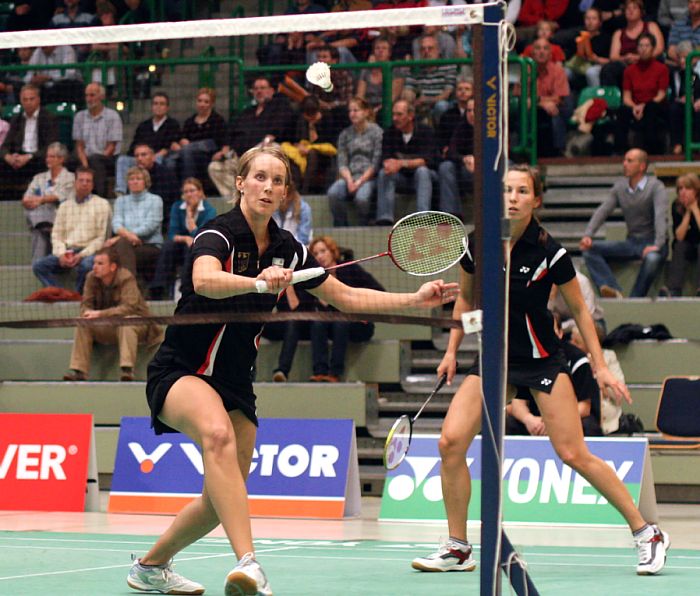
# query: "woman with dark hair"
[[199, 382], [536, 364]]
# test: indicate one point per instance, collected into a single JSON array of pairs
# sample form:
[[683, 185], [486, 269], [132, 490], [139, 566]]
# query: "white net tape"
[[444, 15]]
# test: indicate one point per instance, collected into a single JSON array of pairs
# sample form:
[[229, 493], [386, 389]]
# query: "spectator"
[[80, 229], [138, 217], [370, 86], [534, 11], [546, 30], [313, 145], [677, 109], [523, 416], [187, 216], [268, 120], [295, 216], [325, 251], [408, 153], [685, 213], [203, 134], [44, 192], [72, 17], [97, 132], [644, 108], [159, 132], [359, 152], [12, 82], [553, 101], [431, 88], [285, 49], [106, 52], [644, 204], [30, 14], [56, 84], [446, 43], [686, 28], [456, 171], [336, 101], [23, 151], [592, 49], [4, 129], [560, 308], [623, 48], [452, 117], [669, 12], [111, 291], [163, 183]]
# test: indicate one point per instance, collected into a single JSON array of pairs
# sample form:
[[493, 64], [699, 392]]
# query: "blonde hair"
[[246, 160], [143, 172]]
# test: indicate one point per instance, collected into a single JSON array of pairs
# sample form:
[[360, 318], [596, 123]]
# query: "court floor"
[[89, 554]]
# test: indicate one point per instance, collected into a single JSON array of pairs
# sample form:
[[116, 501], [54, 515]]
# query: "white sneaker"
[[652, 551], [161, 579], [451, 556], [247, 579]]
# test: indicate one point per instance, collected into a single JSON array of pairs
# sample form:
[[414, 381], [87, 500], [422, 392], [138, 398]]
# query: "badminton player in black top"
[[535, 362], [199, 382]]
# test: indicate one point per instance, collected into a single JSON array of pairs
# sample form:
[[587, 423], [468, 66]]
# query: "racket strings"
[[427, 242]]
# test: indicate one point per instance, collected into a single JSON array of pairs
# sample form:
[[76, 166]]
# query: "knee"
[[446, 168], [218, 439], [573, 456], [452, 448]]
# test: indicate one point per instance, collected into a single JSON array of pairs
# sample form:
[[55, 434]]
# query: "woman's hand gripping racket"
[[399, 439], [422, 243]]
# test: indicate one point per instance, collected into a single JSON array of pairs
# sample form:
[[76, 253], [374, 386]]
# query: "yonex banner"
[[300, 468], [537, 486], [44, 461]]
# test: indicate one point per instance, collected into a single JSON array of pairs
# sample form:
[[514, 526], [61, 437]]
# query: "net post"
[[490, 287]]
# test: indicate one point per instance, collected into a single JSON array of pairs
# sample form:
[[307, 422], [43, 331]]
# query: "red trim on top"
[[540, 348], [205, 364]]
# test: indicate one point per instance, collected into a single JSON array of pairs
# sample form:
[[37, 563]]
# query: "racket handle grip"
[[297, 277]]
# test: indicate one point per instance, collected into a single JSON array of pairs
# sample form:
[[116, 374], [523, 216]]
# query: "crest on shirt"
[[242, 260], [278, 261]]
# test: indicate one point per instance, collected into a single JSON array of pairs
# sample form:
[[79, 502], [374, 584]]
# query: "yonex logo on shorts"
[[546, 382], [524, 269]]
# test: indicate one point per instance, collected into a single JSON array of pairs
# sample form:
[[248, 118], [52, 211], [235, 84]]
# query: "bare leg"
[[227, 442], [461, 425], [563, 424]]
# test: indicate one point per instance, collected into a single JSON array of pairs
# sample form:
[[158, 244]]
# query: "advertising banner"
[[537, 486], [44, 461], [300, 468]]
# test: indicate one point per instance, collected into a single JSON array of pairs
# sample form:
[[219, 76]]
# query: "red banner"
[[44, 461]]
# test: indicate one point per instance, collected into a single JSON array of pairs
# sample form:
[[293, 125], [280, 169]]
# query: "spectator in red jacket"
[[644, 90], [534, 11]]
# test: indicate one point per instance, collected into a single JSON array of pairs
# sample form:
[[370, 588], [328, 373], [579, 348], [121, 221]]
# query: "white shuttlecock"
[[319, 73]]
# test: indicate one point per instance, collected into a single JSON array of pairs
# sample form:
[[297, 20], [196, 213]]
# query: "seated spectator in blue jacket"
[[187, 216], [456, 173], [138, 217], [159, 132], [408, 153]]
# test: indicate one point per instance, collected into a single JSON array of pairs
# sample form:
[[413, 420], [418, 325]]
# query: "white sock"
[[646, 532], [462, 543]]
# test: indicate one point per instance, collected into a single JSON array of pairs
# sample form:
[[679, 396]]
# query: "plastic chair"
[[9, 111], [611, 95], [678, 413]]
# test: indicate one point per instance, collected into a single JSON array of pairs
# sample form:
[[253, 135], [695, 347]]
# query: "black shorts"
[[161, 378], [537, 373]]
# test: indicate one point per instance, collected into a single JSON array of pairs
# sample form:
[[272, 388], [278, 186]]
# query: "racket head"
[[427, 242], [398, 442]]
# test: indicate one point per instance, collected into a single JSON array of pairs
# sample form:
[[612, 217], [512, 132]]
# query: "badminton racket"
[[422, 243], [398, 441]]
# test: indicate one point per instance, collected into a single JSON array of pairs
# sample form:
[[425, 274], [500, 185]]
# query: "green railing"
[[208, 64], [527, 110], [690, 144]]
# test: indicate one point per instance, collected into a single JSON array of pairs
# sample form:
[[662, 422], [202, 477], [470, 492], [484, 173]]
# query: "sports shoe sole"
[[667, 546], [420, 567], [140, 588], [240, 584]]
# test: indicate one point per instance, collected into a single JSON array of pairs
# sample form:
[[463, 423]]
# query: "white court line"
[[122, 566]]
